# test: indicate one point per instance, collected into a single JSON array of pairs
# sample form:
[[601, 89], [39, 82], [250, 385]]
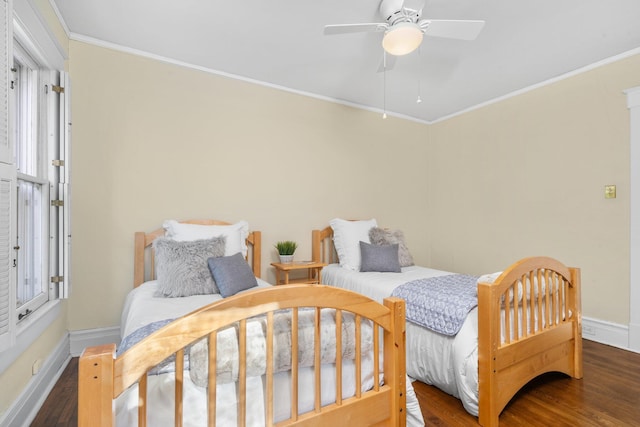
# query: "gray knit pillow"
[[381, 258], [232, 274], [380, 236], [182, 267]]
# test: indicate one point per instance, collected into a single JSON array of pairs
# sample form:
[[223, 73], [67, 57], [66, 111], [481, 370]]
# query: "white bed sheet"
[[449, 363], [142, 307]]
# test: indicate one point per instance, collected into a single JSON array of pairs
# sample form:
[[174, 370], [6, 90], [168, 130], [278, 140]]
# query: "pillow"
[[182, 266], [347, 236], [380, 236], [236, 234], [232, 274], [382, 258]]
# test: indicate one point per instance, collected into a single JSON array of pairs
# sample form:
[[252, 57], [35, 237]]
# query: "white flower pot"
[[286, 259]]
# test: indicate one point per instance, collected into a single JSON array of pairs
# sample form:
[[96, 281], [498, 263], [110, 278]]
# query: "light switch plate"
[[609, 191]]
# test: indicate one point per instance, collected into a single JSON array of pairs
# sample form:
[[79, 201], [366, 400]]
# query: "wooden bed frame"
[[506, 365], [102, 377]]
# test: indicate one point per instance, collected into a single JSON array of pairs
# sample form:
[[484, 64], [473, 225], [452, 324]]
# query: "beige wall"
[[153, 141], [526, 176], [521, 177]]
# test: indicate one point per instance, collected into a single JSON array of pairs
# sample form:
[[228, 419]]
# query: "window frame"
[[31, 121], [27, 26]]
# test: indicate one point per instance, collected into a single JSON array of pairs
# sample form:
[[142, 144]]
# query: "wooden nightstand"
[[313, 272]]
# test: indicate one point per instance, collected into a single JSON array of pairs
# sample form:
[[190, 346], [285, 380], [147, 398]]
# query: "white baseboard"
[[90, 337], [26, 406], [634, 337], [609, 333]]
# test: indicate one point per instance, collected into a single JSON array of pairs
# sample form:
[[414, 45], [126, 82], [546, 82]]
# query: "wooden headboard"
[[143, 256], [322, 248]]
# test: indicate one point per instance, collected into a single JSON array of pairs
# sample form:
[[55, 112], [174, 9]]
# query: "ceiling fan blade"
[[453, 29], [354, 28]]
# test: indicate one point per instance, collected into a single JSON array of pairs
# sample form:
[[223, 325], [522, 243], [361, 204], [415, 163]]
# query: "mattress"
[[447, 362]]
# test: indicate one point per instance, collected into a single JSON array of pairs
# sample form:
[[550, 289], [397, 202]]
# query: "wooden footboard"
[[103, 377], [529, 323]]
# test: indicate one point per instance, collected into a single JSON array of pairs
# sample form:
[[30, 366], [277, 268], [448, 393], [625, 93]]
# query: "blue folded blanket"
[[440, 303]]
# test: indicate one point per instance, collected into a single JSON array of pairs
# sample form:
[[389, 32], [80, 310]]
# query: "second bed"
[[527, 322]]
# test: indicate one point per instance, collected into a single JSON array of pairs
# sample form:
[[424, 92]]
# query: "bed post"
[[255, 240], [576, 306], [394, 360], [488, 339], [315, 246], [138, 258], [95, 386]]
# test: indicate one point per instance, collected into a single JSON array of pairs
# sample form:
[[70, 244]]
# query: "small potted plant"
[[286, 249]]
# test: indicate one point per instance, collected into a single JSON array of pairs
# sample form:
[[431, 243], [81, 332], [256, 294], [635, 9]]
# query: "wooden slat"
[[142, 401], [179, 386], [376, 357], [269, 373], [316, 363], [242, 373], [294, 363], [358, 354], [338, 357], [212, 395]]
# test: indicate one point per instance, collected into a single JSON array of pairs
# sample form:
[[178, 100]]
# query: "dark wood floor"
[[608, 395]]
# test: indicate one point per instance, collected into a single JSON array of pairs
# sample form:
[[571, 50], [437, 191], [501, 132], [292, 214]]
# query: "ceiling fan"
[[404, 30]]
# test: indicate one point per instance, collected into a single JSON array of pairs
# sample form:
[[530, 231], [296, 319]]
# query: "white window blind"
[[7, 282], [7, 188]]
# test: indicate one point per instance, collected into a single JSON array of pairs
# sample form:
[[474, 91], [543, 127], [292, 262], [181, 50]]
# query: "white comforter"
[[142, 308], [449, 363]]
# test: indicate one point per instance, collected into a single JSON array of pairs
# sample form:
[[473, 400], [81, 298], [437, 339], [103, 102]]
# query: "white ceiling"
[[280, 43]]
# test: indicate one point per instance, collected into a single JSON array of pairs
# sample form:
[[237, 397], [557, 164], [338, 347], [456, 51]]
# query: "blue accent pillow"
[[232, 274], [382, 258]]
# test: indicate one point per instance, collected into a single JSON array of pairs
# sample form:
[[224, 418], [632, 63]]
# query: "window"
[[30, 148], [34, 180]]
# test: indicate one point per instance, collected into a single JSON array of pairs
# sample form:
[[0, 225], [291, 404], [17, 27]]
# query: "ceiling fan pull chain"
[[419, 100], [384, 85]]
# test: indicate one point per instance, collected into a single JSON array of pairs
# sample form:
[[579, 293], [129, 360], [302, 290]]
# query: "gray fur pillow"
[[380, 236], [182, 267]]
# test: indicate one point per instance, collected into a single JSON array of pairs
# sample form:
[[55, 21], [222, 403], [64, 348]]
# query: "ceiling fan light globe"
[[402, 38]]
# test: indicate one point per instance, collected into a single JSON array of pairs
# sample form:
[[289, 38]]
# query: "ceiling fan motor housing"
[[394, 11]]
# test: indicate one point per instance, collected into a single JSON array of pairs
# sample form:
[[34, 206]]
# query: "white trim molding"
[[25, 408], [604, 332], [90, 337], [633, 103], [30, 21]]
